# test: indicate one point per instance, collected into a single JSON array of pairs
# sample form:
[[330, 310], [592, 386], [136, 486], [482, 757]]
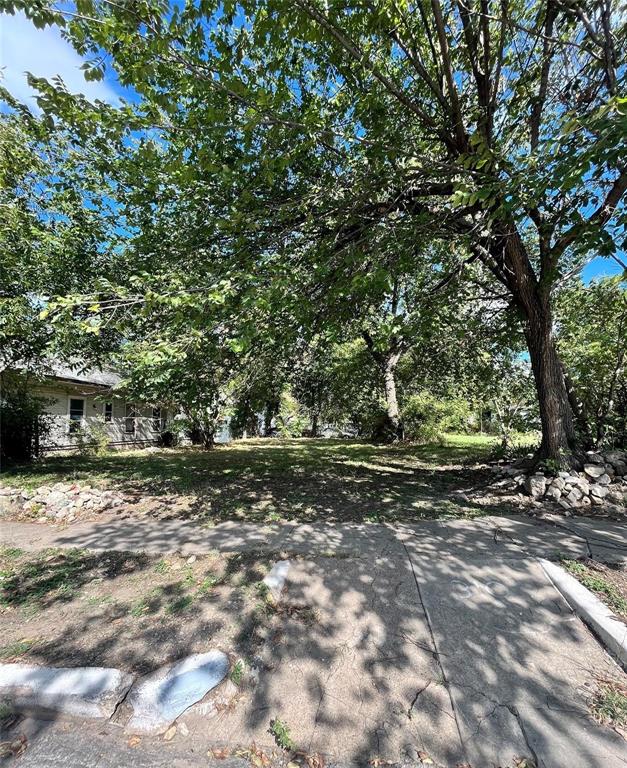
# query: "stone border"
[[93, 692], [590, 609]]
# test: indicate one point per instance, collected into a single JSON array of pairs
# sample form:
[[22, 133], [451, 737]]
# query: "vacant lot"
[[272, 480]]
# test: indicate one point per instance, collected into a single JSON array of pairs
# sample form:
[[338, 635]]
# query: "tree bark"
[[314, 425], [533, 299], [395, 425]]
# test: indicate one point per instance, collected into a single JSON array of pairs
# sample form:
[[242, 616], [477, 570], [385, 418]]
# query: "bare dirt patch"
[[137, 612]]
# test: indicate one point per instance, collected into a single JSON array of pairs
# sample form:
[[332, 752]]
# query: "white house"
[[79, 401]]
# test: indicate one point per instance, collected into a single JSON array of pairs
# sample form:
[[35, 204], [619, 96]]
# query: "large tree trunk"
[[559, 436], [391, 401]]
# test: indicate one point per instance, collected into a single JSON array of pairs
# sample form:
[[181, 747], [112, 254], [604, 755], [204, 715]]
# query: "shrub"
[[24, 424], [93, 440], [292, 419], [426, 417]]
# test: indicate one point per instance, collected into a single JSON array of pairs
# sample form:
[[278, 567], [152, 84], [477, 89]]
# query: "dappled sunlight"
[[268, 480]]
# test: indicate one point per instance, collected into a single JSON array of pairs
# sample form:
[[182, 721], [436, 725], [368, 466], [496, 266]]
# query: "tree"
[[300, 129], [592, 339]]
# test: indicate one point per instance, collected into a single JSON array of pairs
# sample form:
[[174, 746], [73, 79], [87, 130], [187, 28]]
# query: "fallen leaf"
[[191, 559], [134, 741], [183, 729], [170, 733], [424, 757], [219, 754]]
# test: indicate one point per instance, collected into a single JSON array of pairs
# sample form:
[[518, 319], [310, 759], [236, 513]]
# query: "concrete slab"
[[149, 536], [350, 669], [158, 699], [489, 537], [80, 692], [519, 664], [606, 539]]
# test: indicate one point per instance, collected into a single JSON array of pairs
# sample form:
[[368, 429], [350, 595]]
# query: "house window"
[[77, 412], [156, 420], [129, 421], [108, 412]]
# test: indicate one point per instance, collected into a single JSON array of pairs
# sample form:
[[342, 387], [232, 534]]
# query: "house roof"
[[78, 373]]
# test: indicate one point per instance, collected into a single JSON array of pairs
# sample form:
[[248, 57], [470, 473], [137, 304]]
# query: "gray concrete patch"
[[275, 579], [351, 670], [519, 665], [158, 699], [611, 630], [81, 692], [489, 537]]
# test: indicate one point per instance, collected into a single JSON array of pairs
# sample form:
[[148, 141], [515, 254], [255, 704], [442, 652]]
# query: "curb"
[[611, 631], [92, 692]]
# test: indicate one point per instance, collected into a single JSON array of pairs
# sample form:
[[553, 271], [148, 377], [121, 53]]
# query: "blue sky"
[[45, 53]]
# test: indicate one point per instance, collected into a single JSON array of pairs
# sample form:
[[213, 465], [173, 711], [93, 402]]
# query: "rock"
[[594, 470], [162, 696], [535, 485], [563, 475], [574, 496], [594, 458], [620, 468], [558, 482], [604, 480], [554, 493], [599, 491], [81, 691], [275, 579], [615, 496]]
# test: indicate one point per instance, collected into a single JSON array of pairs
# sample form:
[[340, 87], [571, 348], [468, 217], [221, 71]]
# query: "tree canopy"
[[281, 153]]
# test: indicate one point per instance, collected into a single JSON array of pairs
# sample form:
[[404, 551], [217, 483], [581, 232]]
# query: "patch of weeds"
[[189, 579], [5, 710], [180, 605], [207, 584], [162, 567], [607, 591], [304, 613], [16, 649], [609, 705], [237, 672], [52, 575], [140, 608], [11, 552], [98, 600], [281, 734]]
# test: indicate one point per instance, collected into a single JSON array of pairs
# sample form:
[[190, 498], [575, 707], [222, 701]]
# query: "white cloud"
[[44, 53]]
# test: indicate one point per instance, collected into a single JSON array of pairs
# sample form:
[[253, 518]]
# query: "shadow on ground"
[[299, 480]]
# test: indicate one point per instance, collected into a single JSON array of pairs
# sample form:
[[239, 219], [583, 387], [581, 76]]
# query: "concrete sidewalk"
[[507, 536], [441, 639]]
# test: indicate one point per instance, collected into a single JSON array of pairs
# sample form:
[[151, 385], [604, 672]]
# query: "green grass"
[[609, 705], [237, 672], [15, 650], [271, 480], [607, 591]]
